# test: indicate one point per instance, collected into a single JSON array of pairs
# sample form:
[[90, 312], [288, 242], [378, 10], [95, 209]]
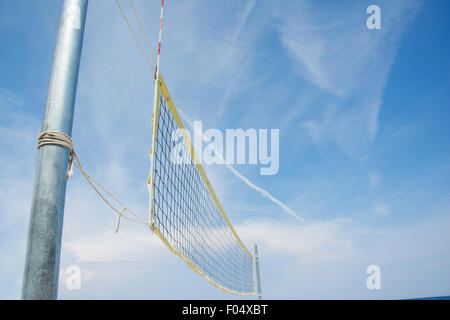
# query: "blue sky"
[[364, 142]]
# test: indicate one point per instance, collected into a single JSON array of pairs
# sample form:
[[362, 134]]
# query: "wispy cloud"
[[245, 57], [316, 240], [382, 209], [347, 62], [375, 180], [248, 9], [9, 99]]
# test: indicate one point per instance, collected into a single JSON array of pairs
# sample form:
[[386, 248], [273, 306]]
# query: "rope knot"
[[57, 138]]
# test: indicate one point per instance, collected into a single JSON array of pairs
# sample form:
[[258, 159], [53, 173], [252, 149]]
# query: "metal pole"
[[41, 274], [258, 280]]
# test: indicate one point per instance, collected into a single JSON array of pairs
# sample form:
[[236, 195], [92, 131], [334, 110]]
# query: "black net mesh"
[[188, 217]]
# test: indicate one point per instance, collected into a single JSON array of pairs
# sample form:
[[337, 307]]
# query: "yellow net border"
[[162, 89]]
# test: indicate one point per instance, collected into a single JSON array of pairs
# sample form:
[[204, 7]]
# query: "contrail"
[[264, 193], [260, 190], [243, 20], [248, 9]]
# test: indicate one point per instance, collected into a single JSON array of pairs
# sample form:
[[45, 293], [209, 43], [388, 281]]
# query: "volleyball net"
[[185, 212]]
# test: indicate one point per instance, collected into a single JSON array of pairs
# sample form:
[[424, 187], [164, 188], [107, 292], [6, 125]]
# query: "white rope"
[[55, 138], [50, 137]]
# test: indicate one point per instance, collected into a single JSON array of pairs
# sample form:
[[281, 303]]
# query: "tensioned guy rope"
[[50, 137]]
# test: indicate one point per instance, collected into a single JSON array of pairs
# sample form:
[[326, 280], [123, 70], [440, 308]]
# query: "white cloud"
[[315, 260], [382, 209], [314, 241], [328, 260], [112, 247]]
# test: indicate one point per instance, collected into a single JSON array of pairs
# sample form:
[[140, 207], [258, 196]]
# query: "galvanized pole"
[[258, 280], [41, 274]]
